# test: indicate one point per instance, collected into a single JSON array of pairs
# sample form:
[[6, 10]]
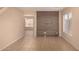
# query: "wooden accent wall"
[[47, 21]]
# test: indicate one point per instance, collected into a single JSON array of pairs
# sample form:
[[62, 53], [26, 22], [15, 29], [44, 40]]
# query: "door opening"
[[29, 25]]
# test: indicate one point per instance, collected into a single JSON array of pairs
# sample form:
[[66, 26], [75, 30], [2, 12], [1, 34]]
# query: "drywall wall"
[[74, 39], [75, 27], [11, 26]]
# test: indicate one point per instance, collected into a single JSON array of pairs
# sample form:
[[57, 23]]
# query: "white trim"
[[10, 43], [29, 15], [35, 25], [69, 40], [59, 23]]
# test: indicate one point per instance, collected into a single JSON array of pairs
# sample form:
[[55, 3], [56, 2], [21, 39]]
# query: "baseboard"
[[60, 34], [70, 42], [11, 43]]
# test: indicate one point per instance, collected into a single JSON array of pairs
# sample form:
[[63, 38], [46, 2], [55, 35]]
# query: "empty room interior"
[[39, 28]]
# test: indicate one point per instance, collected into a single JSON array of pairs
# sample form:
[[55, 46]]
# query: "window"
[[67, 23], [28, 22]]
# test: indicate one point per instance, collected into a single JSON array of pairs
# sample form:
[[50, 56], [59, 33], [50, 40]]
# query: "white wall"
[[11, 26], [74, 39], [75, 27]]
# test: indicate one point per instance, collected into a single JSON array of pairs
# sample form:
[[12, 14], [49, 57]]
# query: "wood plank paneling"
[[47, 21]]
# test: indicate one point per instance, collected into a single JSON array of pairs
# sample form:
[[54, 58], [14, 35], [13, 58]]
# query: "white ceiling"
[[41, 8]]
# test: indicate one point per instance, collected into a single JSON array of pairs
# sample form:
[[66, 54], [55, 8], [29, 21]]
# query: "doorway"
[[29, 26]]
